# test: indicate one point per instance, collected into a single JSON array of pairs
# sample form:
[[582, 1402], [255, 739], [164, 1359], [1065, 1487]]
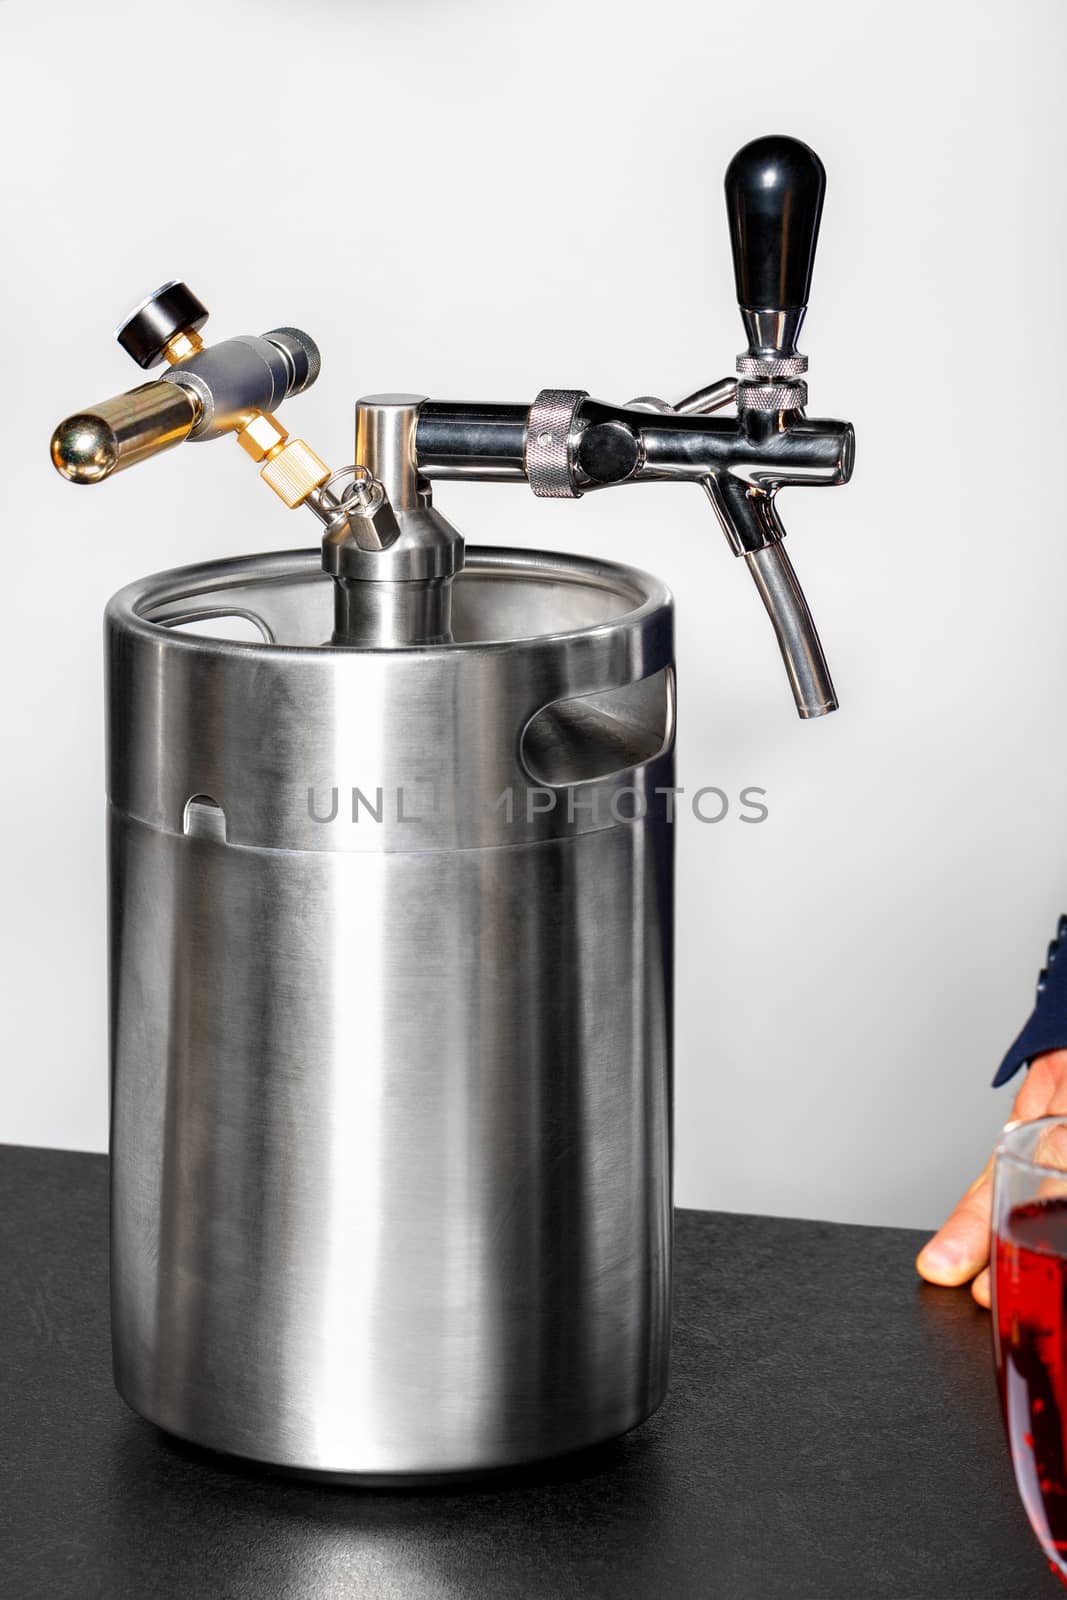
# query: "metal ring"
[[750, 366], [548, 434], [356, 476], [343, 472], [772, 396]]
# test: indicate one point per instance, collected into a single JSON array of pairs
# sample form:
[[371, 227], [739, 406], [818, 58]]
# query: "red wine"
[[1031, 1348]]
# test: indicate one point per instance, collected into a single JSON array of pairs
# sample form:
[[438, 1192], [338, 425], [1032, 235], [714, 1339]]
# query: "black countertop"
[[832, 1431]]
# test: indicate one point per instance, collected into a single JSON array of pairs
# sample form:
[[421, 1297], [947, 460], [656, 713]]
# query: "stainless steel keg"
[[391, 897], [391, 1000]]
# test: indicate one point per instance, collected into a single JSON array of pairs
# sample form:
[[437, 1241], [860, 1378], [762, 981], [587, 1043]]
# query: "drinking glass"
[[1030, 1319]]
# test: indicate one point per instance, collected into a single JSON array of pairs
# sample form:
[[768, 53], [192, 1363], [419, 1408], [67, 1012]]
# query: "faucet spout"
[[794, 627], [749, 518]]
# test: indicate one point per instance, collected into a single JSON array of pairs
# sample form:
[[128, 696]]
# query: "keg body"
[[391, 1017]]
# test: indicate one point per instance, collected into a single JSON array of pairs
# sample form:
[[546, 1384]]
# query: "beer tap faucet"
[[568, 444], [380, 524]]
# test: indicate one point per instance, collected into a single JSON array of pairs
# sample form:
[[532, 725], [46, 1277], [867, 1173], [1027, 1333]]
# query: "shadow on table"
[[518, 1534]]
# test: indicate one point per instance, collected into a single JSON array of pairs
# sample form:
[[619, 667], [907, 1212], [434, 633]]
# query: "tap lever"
[[774, 196]]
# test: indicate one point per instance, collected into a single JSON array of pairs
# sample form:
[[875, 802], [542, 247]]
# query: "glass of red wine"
[[1030, 1319]]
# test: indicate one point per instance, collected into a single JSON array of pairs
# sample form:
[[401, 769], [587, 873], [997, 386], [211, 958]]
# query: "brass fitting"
[[186, 342], [294, 471], [290, 467], [263, 436]]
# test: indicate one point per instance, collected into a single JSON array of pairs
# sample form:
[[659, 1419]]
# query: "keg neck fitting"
[[391, 554]]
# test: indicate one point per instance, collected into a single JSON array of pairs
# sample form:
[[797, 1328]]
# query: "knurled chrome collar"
[[750, 366], [790, 395], [548, 433]]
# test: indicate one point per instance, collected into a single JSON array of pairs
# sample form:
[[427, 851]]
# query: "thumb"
[[960, 1247]]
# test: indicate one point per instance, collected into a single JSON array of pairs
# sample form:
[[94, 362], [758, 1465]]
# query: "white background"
[[476, 200]]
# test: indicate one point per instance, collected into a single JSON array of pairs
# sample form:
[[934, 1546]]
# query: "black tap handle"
[[774, 193]]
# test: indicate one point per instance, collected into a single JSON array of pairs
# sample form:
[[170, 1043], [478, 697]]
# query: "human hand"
[[959, 1250]]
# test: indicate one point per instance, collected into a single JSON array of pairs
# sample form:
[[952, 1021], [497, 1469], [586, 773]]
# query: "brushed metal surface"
[[391, 1101]]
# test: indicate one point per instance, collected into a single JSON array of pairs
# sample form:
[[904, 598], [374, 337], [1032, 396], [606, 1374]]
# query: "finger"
[[1044, 1088], [1051, 1147], [960, 1247], [1050, 1151]]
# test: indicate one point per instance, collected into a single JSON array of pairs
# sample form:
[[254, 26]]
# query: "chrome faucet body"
[[741, 462]]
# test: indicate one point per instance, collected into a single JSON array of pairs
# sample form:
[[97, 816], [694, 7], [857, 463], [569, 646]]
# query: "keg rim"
[[127, 608]]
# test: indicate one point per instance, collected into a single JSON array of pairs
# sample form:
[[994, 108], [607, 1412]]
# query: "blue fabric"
[[1047, 1025]]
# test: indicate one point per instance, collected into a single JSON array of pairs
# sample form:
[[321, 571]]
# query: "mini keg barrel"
[[391, 1016]]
